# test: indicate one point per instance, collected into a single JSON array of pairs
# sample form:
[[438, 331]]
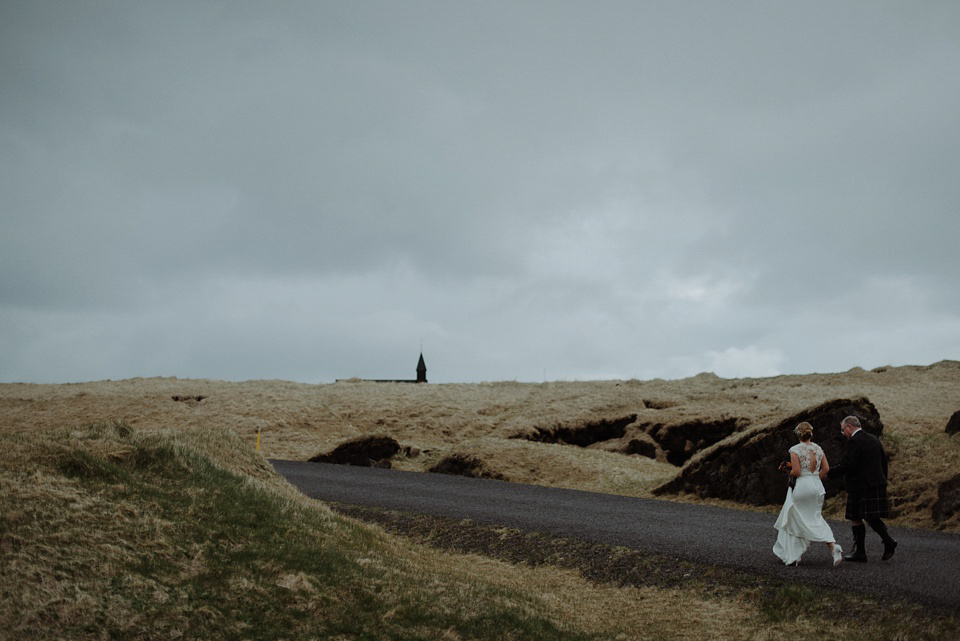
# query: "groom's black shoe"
[[889, 549], [857, 556]]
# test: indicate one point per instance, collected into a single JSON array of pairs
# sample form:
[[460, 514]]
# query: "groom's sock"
[[859, 534], [880, 528]]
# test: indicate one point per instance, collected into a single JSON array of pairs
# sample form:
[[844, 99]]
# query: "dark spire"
[[421, 370]]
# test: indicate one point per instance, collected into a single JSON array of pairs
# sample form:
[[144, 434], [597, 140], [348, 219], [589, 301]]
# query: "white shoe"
[[837, 554]]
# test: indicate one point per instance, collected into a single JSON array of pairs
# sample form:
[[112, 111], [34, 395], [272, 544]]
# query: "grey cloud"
[[610, 190]]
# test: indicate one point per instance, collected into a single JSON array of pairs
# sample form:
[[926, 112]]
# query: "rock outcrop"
[[743, 467], [948, 499], [583, 434], [674, 442], [466, 465], [953, 425], [681, 441], [365, 451]]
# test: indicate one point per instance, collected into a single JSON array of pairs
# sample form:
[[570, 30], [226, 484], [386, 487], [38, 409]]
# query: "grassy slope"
[[115, 535]]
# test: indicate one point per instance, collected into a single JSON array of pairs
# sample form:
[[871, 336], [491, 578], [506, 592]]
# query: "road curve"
[[924, 569]]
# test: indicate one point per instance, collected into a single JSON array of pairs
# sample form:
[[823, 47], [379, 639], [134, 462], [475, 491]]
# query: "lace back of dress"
[[809, 457]]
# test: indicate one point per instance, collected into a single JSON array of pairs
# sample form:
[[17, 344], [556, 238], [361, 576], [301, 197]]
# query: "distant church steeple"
[[421, 370]]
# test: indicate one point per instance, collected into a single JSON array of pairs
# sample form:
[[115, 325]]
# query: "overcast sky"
[[530, 191]]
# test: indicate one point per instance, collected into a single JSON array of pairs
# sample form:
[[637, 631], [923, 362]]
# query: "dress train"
[[800, 521]]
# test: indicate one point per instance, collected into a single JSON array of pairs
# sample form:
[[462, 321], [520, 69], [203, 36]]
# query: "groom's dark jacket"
[[864, 463]]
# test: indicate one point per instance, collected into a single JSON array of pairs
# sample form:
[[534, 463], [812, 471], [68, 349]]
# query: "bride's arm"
[[794, 464], [824, 467]]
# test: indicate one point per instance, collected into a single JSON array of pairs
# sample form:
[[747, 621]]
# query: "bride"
[[800, 520]]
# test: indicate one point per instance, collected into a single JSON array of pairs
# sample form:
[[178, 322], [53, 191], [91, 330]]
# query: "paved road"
[[924, 570]]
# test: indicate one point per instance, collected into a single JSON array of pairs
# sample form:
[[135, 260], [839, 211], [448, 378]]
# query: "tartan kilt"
[[867, 503]]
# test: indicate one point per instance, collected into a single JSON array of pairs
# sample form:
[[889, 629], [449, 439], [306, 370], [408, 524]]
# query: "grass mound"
[[110, 534]]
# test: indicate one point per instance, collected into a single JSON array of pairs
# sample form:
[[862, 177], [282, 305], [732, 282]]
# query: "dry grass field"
[[141, 509], [297, 421]]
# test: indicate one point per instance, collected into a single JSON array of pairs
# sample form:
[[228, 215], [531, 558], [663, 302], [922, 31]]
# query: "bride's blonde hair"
[[803, 431]]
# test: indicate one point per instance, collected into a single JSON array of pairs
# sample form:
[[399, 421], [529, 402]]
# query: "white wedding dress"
[[800, 521]]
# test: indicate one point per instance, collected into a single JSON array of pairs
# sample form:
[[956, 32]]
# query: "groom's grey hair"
[[852, 421]]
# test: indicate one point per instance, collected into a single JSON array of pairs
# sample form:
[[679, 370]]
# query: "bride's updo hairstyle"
[[803, 431]]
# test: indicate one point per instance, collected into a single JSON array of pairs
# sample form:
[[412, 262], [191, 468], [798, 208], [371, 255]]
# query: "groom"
[[864, 471]]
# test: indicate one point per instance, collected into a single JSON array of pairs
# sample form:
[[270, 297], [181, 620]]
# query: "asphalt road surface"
[[925, 569]]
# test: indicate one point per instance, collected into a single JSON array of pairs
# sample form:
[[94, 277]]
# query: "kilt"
[[867, 503]]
